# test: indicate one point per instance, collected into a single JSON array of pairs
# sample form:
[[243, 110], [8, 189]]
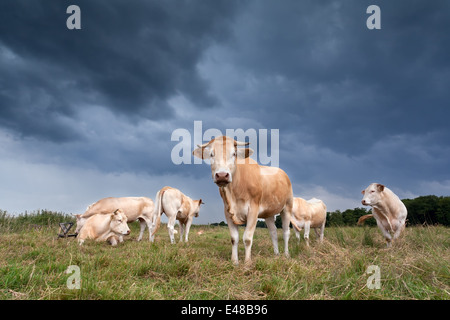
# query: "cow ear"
[[117, 211], [201, 152], [363, 192], [380, 187], [243, 153]]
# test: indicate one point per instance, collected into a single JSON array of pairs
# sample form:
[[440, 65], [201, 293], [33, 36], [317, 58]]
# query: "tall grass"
[[33, 264], [36, 219]]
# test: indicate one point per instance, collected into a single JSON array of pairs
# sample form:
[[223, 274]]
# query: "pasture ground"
[[33, 264]]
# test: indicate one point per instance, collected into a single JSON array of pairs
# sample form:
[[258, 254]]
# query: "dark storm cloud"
[[347, 86], [129, 56]]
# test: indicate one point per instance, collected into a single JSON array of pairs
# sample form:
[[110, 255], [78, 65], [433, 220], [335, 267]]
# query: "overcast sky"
[[87, 114]]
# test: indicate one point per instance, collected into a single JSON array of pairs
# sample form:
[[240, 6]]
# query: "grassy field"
[[33, 264]]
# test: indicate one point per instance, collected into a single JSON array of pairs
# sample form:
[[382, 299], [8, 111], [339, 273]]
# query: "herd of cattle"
[[249, 191]]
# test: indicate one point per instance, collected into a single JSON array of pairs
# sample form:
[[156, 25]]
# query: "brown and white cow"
[[176, 206], [105, 227], [309, 214], [249, 191], [387, 209], [135, 208]]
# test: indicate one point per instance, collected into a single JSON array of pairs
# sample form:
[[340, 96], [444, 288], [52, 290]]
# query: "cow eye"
[[212, 153], [233, 154]]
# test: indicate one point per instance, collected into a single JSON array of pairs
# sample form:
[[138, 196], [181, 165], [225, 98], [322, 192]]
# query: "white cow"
[[309, 214], [135, 208], [249, 191], [105, 227], [176, 206], [387, 209]]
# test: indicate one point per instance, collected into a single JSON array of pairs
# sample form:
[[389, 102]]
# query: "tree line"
[[423, 210]]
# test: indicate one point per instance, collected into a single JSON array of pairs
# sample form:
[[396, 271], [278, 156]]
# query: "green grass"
[[33, 263]]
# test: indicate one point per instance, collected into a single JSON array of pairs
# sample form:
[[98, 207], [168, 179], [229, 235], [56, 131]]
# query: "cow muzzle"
[[222, 178]]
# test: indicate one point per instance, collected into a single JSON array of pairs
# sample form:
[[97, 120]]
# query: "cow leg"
[[398, 227], [142, 224], [306, 235], [322, 229], [270, 222], [285, 221], [234, 234], [387, 235], [317, 231], [252, 219], [149, 223], [182, 230], [187, 227], [297, 233], [170, 226], [113, 241]]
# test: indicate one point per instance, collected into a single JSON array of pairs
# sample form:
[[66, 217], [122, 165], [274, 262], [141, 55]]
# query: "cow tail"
[[364, 218], [294, 224], [158, 211]]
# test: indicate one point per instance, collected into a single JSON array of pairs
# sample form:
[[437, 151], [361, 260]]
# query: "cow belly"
[[318, 220], [269, 212]]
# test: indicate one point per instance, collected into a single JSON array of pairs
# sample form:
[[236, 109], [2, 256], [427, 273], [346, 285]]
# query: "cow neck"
[[228, 195], [384, 207]]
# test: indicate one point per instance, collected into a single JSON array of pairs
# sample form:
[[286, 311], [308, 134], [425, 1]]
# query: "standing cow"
[[309, 214], [135, 208], [249, 191], [176, 206], [387, 209], [109, 227]]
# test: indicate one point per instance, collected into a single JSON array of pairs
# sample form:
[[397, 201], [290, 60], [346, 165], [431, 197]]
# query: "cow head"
[[119, 222], [80, 222], [224, 154], [197, 209], [372, 194]]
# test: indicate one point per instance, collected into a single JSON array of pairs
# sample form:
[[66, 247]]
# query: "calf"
[[135, 208], [105, 227], [309, 214], [249, 191], [176, 206], [387, 209]]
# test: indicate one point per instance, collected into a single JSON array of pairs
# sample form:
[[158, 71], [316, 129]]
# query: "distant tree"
[[422, 210], [278, 223], [261, 224], [334, 219], [443, 211]]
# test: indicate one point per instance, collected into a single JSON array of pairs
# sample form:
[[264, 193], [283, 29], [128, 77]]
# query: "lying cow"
[[135, 208], [176, 206], [249, 191], [309, 214], [105, 227], [387, 209]]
